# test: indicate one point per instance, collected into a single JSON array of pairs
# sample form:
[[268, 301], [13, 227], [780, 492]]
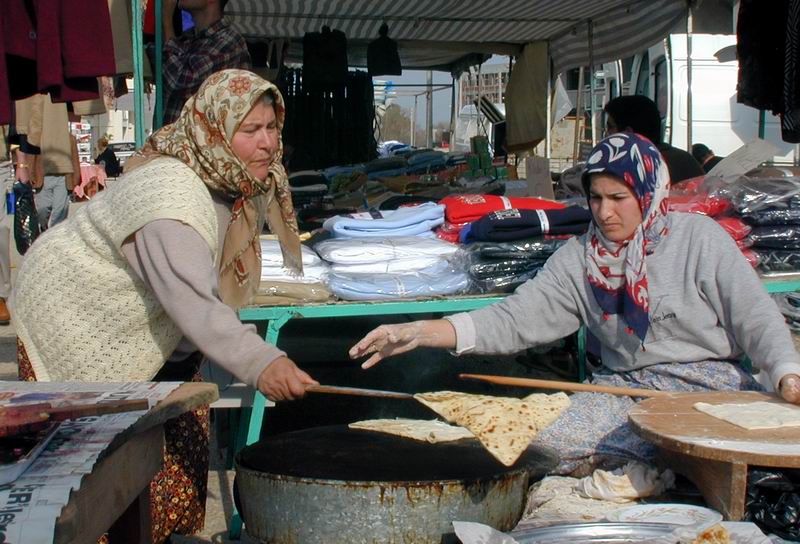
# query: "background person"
[[107, 158], [639, 114], [210, 46], [670, 297], [157, 268], [705, 157]]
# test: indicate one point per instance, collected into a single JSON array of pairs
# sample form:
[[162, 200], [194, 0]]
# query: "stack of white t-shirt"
[[314, 269], [403, 267]]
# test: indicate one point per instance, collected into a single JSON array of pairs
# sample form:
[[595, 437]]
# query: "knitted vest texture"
[[79, 308]]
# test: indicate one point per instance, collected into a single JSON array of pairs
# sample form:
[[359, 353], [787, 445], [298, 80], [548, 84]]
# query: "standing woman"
[[144, 281], [670, 297]]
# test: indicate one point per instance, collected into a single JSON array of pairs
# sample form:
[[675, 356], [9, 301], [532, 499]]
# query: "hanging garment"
[[768, 49], [324, 60]]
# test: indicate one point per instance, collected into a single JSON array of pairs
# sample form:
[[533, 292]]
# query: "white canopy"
[[447, 34]]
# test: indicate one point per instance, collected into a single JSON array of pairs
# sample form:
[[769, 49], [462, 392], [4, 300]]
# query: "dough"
[[433, 431], [754, 415]]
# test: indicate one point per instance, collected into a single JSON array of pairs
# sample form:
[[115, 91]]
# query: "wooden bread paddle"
[[565, 386], [339, 390], [27, 418]]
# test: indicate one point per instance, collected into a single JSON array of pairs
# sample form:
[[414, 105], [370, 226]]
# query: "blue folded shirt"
[[412, 221]]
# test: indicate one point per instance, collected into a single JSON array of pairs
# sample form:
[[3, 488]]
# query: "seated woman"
[[670, 297], [143, 282]]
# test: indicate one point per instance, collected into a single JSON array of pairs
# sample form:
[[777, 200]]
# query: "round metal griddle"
[[339, 453], [332, 485]]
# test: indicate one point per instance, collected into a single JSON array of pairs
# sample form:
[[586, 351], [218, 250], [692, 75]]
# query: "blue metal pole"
[[159, 117], [138, 75]]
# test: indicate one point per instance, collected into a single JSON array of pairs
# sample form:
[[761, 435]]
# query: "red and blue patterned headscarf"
[[617, 271]]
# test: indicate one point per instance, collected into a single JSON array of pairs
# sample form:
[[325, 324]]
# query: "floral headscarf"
[[201, 137], [617, 271]]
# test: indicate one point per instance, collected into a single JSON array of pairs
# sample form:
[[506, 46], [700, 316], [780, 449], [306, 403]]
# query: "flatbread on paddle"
[[505, 426], [433, 431]]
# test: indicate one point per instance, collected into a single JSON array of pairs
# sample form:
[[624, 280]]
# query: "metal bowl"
[[596, 533]]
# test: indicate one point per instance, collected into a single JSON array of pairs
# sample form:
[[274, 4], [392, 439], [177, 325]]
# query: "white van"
[[718, 120]]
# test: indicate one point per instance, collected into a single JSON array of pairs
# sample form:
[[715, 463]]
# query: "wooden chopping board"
[[674, 424]]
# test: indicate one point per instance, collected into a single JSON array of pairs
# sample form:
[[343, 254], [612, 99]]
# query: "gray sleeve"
[[176, 264], [744, 308], [541, 310]]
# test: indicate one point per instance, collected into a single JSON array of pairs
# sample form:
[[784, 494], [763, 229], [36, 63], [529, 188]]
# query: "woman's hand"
[[790, 388], [283, 380], [388, 340]]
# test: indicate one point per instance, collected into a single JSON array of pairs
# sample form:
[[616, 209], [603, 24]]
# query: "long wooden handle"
[[338, 390], [565, 386]]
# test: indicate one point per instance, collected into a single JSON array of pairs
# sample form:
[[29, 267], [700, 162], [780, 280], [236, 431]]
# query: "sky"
[[441, 99]]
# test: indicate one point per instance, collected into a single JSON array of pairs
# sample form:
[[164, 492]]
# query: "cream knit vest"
[[78, 307]]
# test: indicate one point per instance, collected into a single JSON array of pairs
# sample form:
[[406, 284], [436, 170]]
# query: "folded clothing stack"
[[789, 305], [503, 266], [426, 161], [387, 166], [408, 221], [514, 224], [772, 207], [280, 285], [402, 267], [466, 208]]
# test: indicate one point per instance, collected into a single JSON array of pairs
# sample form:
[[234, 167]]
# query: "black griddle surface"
[[337, 452]]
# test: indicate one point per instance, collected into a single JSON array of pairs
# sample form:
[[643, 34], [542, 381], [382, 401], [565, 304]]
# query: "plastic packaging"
[[753, 257], [26, 220], [773, 501], [735, 227], [754, 194], [440, 279], [777, 260], [370, 250], [771, 217], [692, 196], [530, 248], [783, 237], [789, 305], [485, 282]]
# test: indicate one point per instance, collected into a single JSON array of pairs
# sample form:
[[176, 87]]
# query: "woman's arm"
[[176, 264], [388, 340], [542, 310], [747, 312]]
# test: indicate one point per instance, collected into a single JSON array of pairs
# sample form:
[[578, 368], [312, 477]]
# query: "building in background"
[[490, 82]]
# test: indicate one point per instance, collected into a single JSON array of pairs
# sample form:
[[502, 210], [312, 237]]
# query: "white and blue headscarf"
[[617, 271]]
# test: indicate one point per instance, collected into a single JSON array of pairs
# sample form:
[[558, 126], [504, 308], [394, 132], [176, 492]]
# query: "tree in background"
[[396, 124]]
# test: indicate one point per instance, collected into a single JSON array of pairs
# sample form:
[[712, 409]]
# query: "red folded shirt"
[[734, 226], [468, 208]]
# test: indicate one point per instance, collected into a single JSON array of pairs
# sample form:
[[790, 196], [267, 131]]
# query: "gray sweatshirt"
[[174, 261], [706, 302]]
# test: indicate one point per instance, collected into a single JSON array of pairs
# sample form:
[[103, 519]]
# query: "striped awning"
[[439, 33]]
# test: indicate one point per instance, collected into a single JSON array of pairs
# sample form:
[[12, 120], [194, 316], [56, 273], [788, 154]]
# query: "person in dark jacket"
[[705, 157], [107, 158], [639, 114]]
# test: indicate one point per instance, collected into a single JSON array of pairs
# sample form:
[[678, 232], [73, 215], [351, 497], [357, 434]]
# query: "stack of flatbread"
[[505, 426]]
